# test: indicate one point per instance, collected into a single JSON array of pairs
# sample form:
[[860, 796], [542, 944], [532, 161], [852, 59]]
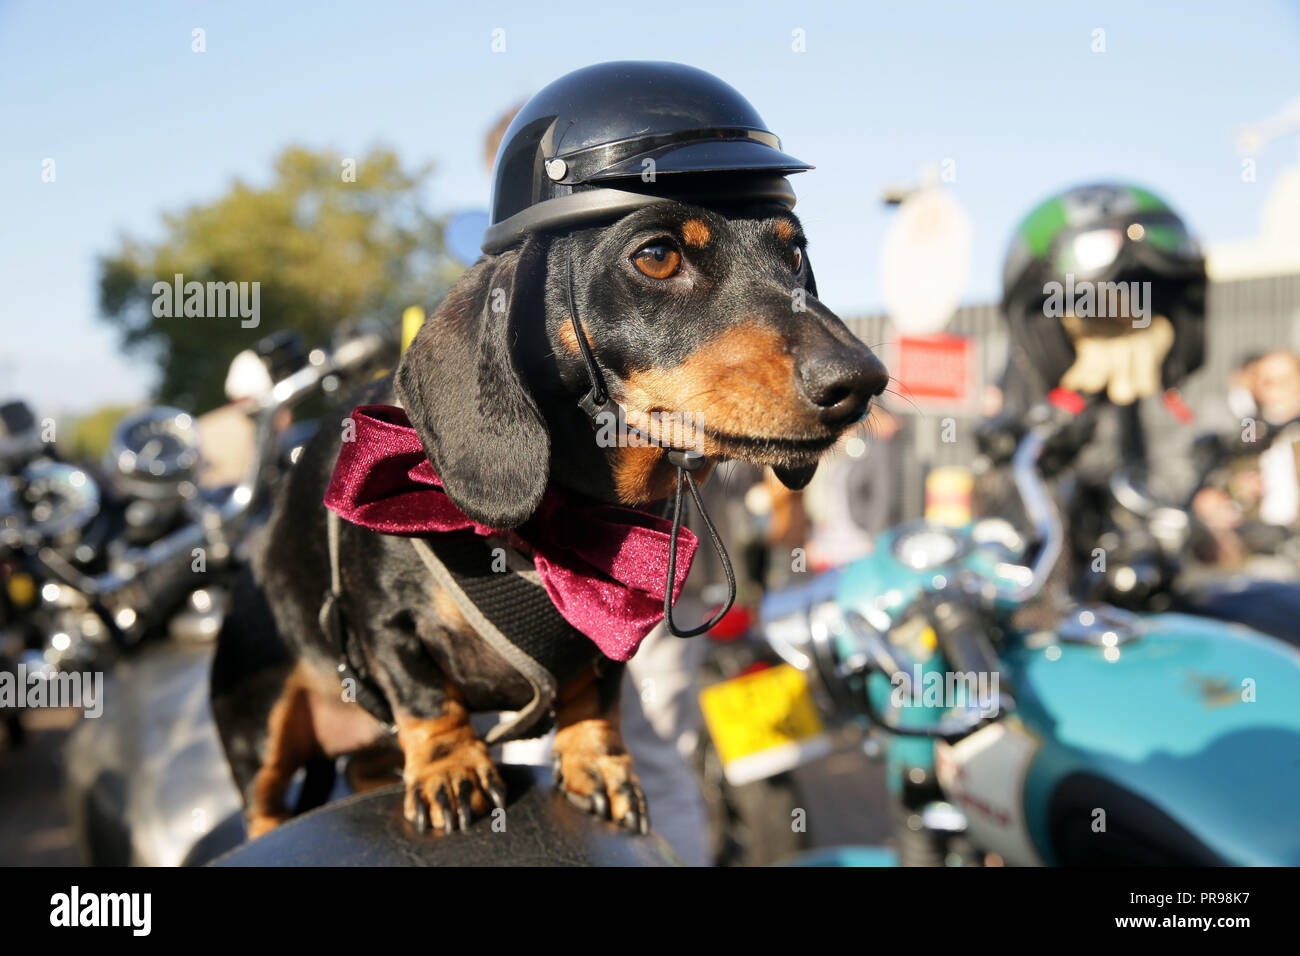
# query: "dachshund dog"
[[689, 311]]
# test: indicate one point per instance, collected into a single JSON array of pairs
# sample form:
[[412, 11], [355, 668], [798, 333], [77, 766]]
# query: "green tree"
[[88, 436], [327, 244]]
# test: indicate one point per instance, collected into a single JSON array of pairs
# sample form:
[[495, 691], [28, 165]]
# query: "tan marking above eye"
[[784, 230], [657, 260], [695, 232]]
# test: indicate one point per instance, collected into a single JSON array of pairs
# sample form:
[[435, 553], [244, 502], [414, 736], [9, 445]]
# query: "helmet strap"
[[595, 403]]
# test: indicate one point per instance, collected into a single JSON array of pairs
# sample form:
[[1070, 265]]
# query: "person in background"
[[1104, 296], [1242, 399], [1250, 502], [776, 528], [856, 493], [1128, 354], [226, 434], [1277, 389]]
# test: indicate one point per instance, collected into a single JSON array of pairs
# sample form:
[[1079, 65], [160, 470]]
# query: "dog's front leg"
[[449, 777], [591, 765]]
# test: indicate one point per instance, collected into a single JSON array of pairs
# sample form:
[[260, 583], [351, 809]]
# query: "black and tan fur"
[[491, 385]]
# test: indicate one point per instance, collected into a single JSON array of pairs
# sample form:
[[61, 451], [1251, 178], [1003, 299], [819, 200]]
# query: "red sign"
[[936, 370]]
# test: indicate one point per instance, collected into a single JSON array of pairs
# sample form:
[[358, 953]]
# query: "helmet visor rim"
[[605, 203], [1160, 243]]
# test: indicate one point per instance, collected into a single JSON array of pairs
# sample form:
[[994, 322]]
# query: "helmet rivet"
[[556, 168]]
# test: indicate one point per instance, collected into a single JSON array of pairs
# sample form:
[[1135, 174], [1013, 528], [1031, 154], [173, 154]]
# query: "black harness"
[[509, 609]]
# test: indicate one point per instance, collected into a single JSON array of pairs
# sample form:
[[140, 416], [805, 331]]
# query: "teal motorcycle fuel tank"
[[1186, 737]]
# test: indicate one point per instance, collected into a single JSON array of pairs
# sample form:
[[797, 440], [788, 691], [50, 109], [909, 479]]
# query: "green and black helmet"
[[1105, 232]]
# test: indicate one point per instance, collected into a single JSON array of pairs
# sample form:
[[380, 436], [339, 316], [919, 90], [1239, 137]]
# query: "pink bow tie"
[[603, 566]]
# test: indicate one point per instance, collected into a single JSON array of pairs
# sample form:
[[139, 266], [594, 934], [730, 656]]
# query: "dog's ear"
[[462, 388]]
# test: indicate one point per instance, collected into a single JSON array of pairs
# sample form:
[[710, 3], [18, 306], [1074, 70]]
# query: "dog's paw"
[[449, 792], [594, 771]]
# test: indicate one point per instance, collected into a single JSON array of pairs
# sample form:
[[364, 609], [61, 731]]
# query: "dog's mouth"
[[773, 450], [673, 430]]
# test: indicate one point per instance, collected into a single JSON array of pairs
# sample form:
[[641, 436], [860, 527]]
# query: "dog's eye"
[[657, 260], [797, 253]]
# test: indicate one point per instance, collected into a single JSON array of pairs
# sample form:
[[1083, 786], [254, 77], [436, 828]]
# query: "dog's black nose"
[[841, 383]]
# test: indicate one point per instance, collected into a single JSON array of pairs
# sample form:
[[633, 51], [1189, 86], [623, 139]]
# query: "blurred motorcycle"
[[20, 445], [1024, 726], [760, 723], [147, 779]]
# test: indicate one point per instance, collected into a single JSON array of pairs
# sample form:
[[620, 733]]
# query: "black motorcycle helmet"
[[610, 138], [1103, 232]]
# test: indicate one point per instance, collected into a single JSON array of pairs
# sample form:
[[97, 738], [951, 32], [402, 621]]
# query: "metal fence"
[[1244, 316]]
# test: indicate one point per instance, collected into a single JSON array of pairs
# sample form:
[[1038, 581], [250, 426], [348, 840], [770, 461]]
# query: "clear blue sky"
[[1011, 91]]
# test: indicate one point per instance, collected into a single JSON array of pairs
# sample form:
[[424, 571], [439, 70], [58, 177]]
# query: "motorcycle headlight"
[[152, 452]]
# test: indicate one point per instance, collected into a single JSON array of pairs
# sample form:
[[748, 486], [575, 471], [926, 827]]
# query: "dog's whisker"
[[899, 394]]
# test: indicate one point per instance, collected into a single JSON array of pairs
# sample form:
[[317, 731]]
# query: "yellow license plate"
[[763, 723]]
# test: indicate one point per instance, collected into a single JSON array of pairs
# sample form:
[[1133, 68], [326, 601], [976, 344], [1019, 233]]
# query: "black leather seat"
[[541, 829]]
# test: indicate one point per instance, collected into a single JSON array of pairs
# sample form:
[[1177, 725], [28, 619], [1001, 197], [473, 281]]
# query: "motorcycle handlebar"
[[961, 636], [1040, 510], [360, 351], [959, 627], [876, 655]]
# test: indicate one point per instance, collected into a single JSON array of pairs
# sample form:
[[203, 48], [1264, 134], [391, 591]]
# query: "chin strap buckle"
[[686, 460], [598, 406]]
